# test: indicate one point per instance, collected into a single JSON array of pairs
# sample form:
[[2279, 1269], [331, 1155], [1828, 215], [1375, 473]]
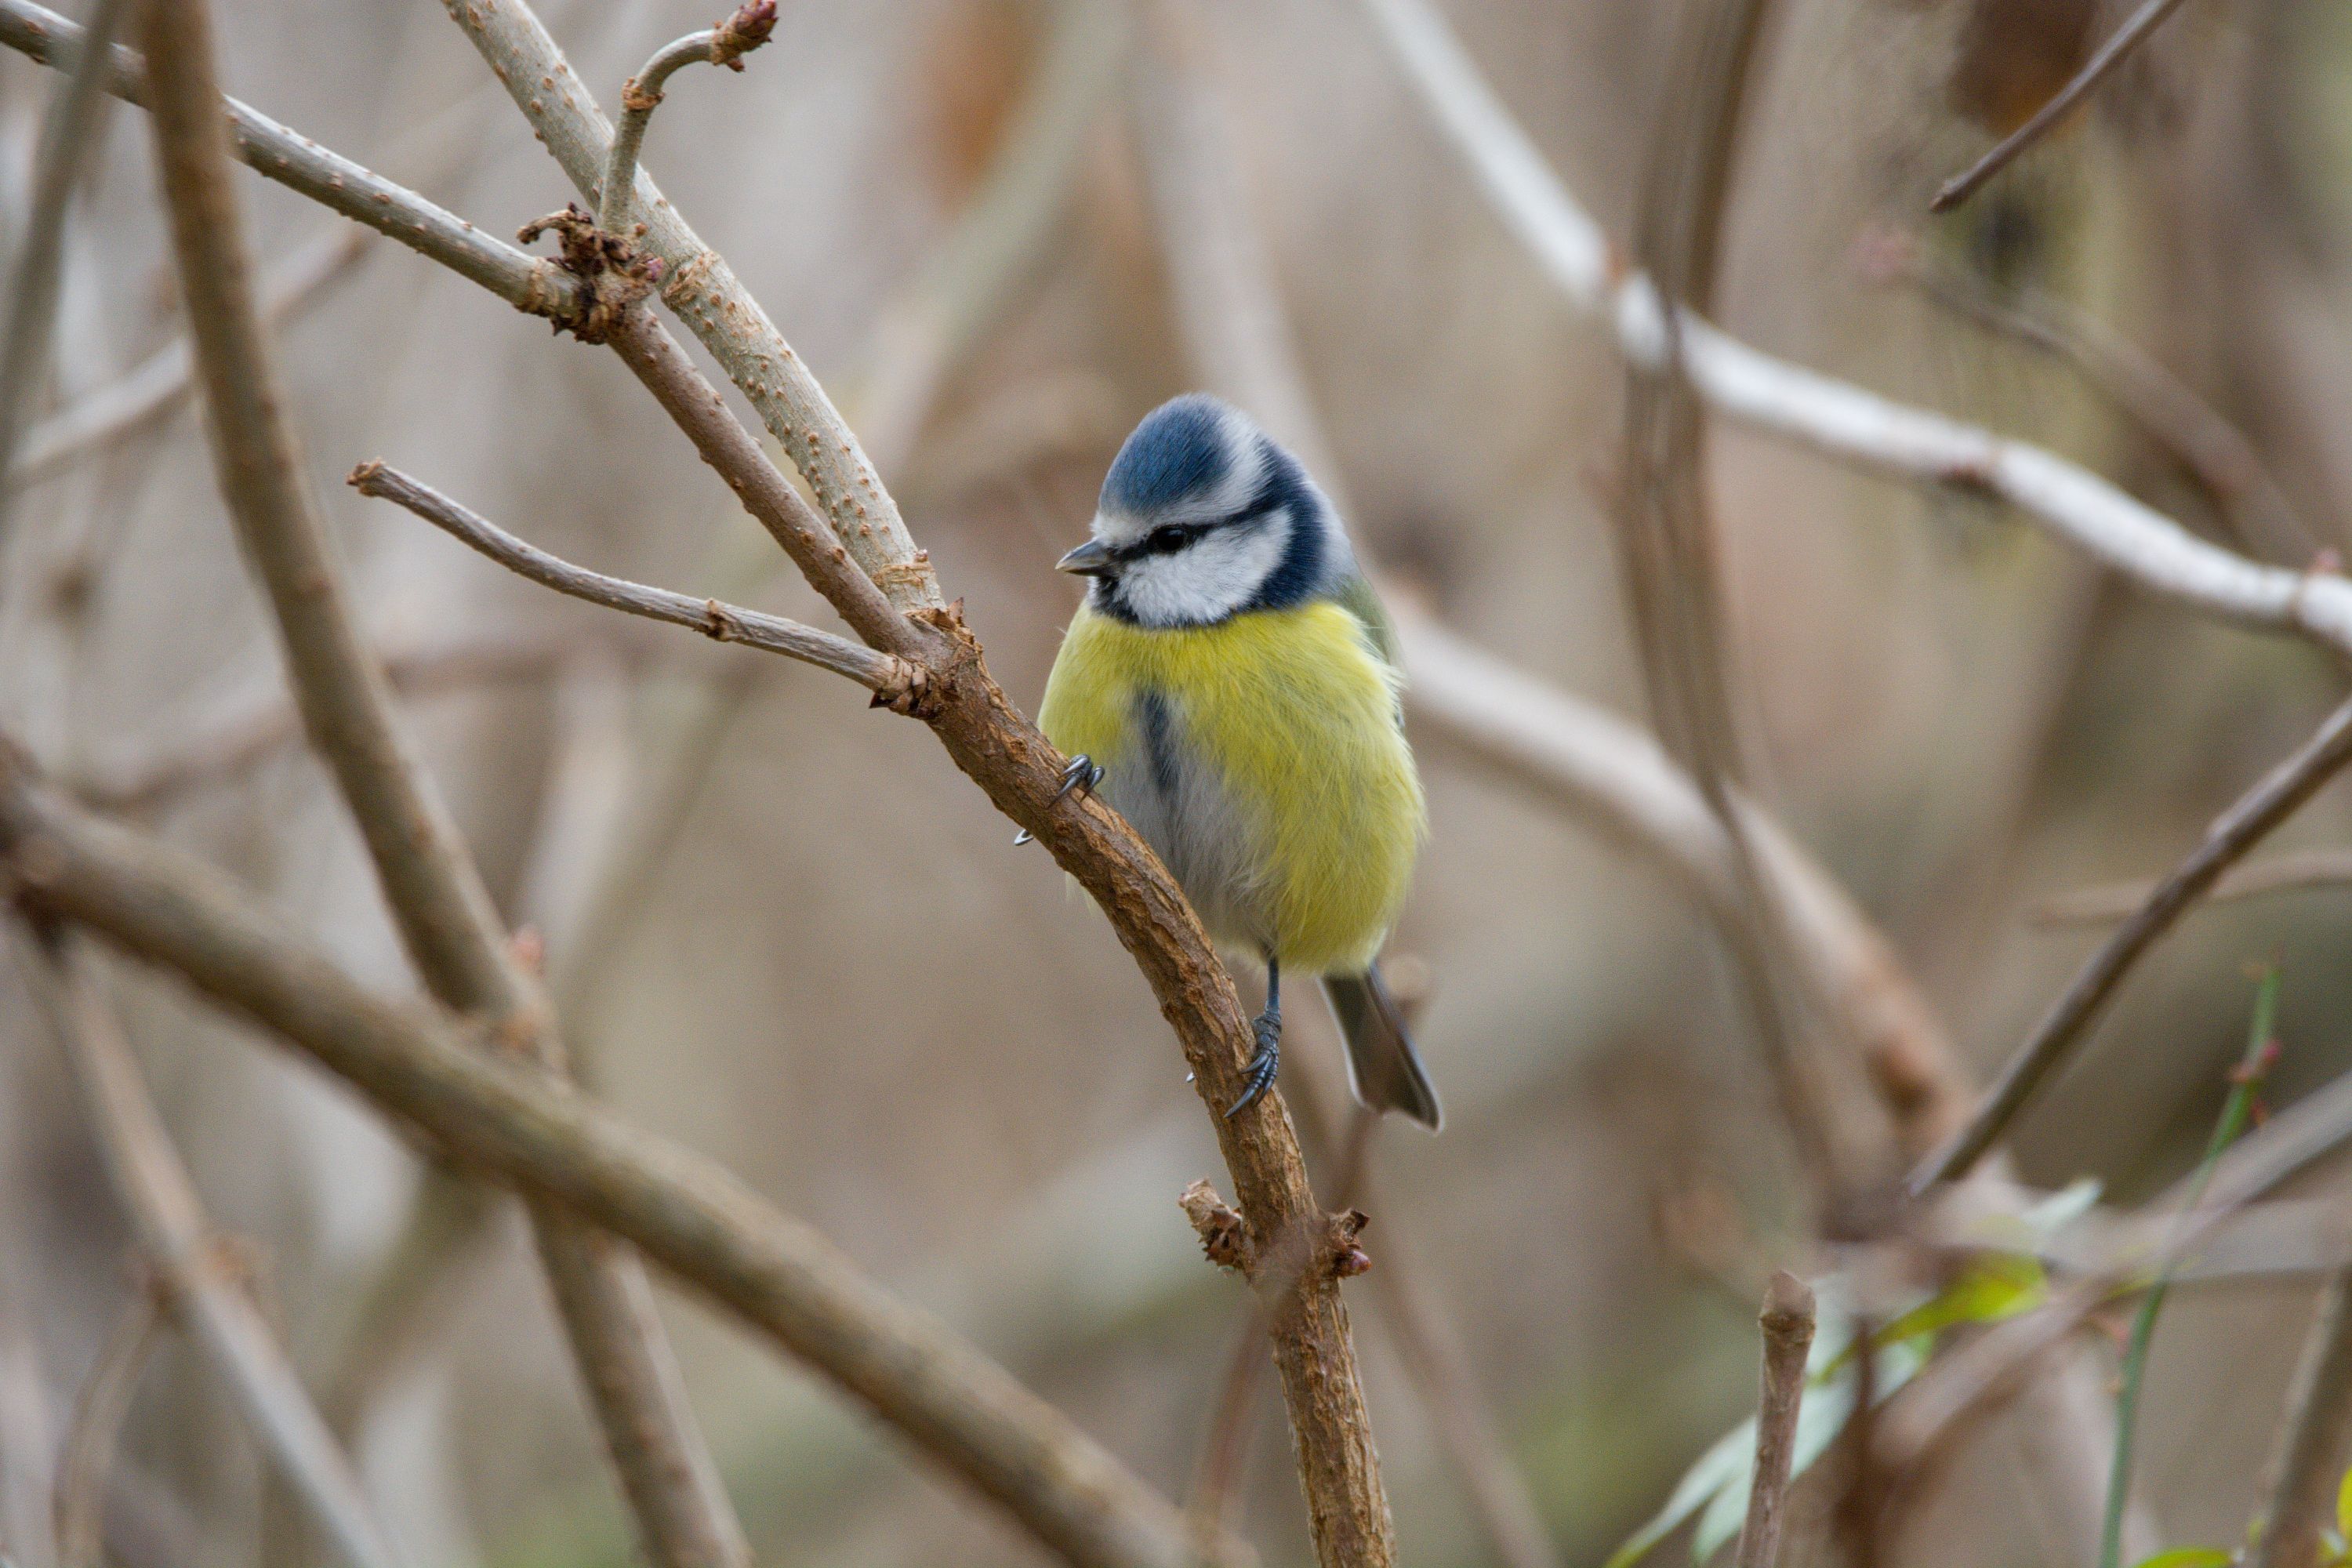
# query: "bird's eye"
[[1170, 538]]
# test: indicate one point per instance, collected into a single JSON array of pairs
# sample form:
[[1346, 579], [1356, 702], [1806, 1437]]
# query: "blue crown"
[[1180, 450]]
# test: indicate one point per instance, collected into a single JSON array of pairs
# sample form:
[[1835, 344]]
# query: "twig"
[[698, 284], [1837, 418], [175, 1238], [2292, 872], [67, 132], [2307, 1466], [2113, 53], [2236, 831], [435, 895], [529, 283], [725, 45], [87, 1455], [880, 673], [1787, 1320], [162, 381], [682, 1210]]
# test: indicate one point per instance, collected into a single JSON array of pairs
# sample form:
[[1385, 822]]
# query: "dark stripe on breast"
[[1157, 722]]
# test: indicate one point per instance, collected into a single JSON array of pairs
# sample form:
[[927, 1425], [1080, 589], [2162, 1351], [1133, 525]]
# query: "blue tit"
[[1229, 687]]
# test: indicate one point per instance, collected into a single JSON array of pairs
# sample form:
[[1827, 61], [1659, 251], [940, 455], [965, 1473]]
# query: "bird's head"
[[1203, 516]]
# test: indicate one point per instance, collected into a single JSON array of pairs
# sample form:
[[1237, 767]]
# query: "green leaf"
[[1993, 1286], [2344, 1507], [2188, 1557]]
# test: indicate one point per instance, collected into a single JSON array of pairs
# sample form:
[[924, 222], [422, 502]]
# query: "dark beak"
[[1092, 559]]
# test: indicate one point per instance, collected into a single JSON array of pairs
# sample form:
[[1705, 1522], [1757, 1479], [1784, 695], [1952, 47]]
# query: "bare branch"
[[529, 283], [2113, 53], [2287, 873], [66, 134], [725, 45], [2235, 832], [86, 1458], [1788, 1323], [2308, 1464], [698, 284], [690, 1215], [880, 673], [177, 1241], [436, 896], [1837, 418]]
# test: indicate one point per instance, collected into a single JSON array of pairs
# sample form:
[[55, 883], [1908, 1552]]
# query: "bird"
[[1230, 686]]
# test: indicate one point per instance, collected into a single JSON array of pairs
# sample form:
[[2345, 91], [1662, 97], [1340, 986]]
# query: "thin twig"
[[2236, 831], [2113, 53], [68, 133], [2307, 1466], [86, 1458], [1837, 418], [698, 285], [681, 1209], [1787, 1320], [437, 898], [176, 1239], [2288, 873], [879, 672], [724, 45]]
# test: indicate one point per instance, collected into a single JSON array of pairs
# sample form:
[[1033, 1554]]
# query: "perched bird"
[[1229, 687]]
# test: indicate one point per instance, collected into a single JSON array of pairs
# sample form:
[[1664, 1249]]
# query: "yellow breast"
[[1295, 718]]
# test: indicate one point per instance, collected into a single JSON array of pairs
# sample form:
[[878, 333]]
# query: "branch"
[[698, 284], [538, 1137], [2113, 53], [1018, 769], [435, 894], [890, 678], [2308, 1464], [2235, 832], [1837, 418], [67, 131], [178, 1242], [531, 284], [1788, 1323], [85, 1456], [724, 45]]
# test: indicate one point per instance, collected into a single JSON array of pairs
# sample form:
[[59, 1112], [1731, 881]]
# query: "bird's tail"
[[1383, 1067]]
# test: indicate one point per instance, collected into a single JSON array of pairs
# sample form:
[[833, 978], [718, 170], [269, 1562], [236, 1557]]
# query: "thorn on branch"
[[614, 274], [1224, 1235]]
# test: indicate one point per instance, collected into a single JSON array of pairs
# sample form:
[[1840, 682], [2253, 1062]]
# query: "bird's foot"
[[1259, 1076], [1083, 774]]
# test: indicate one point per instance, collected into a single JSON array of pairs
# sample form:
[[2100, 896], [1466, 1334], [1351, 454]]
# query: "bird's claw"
[[1083, 774], [1259, 1076]]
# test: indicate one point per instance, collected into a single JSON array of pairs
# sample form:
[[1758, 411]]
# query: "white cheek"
[[1207, 582]]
